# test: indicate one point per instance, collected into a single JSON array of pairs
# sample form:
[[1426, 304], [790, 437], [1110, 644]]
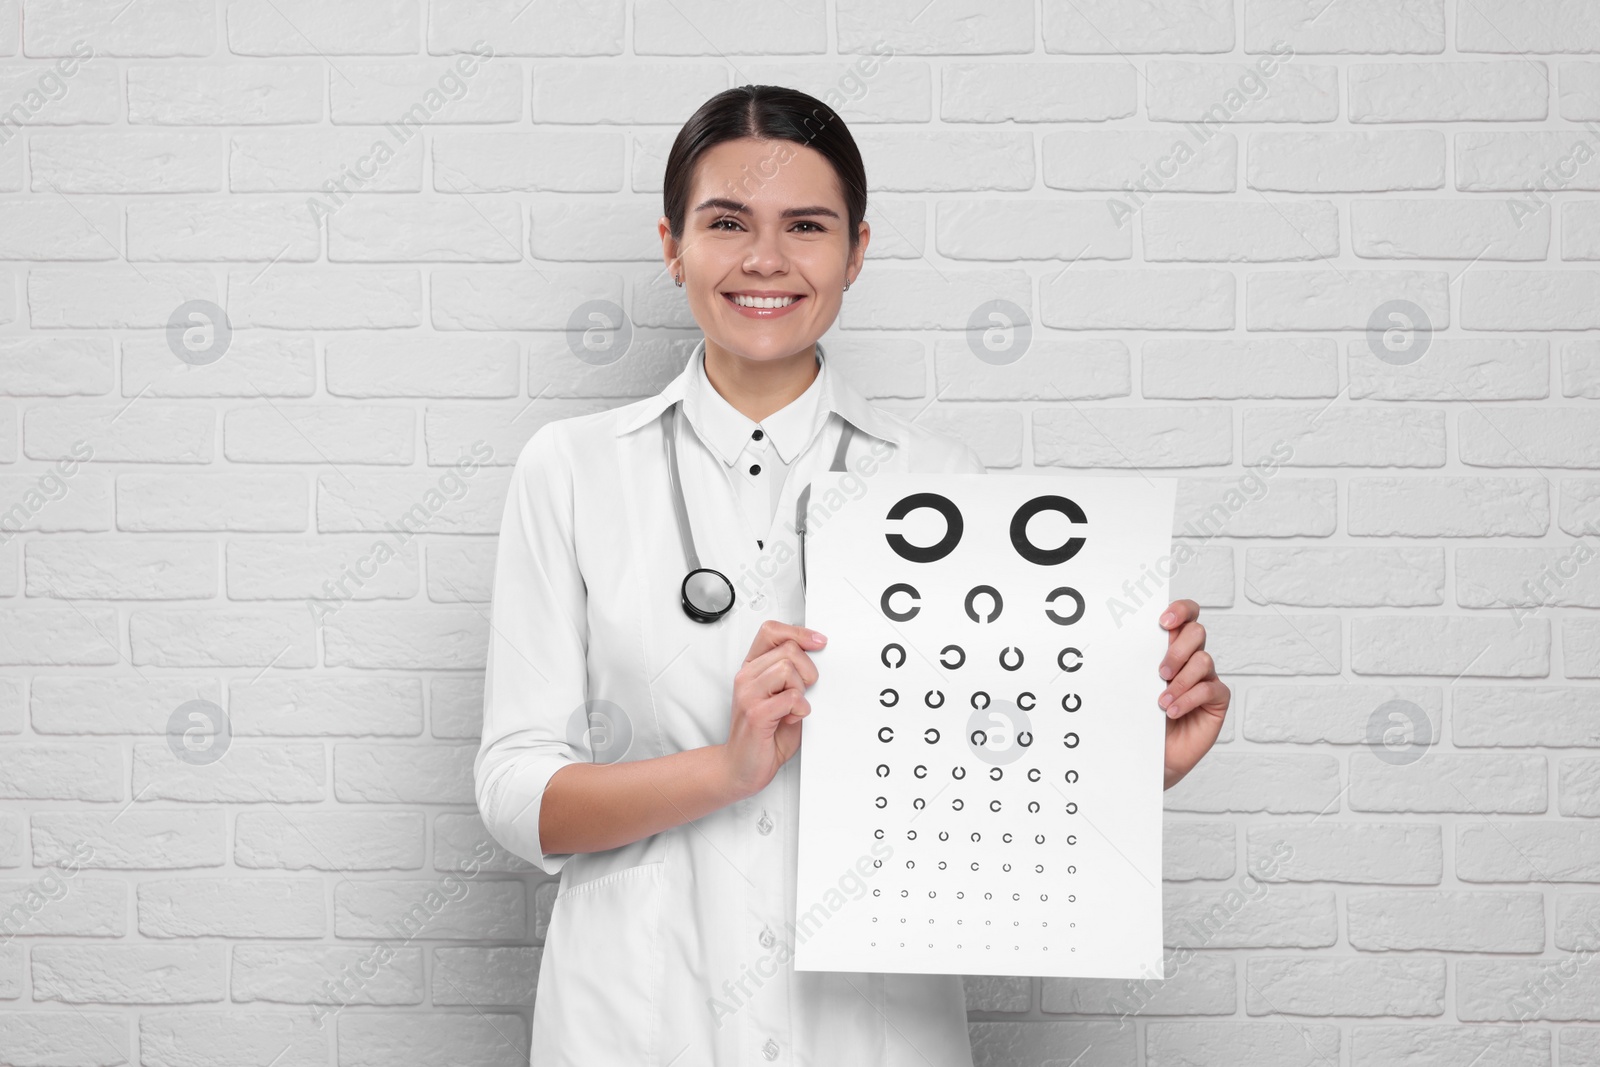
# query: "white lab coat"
[[677, 948]]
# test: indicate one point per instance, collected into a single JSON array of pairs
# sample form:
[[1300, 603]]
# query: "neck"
[[758, 387]]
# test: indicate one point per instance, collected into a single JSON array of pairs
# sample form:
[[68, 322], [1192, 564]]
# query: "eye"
[[717, 224]]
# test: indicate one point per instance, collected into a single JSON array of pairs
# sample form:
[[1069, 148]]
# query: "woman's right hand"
[[769, 704]]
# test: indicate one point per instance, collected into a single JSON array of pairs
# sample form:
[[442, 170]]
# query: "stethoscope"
[[706, 593]]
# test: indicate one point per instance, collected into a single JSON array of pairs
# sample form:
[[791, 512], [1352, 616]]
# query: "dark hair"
[[766, 112]]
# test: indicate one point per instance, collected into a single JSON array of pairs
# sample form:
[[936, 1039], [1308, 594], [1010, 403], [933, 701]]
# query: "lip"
[[764, 313]]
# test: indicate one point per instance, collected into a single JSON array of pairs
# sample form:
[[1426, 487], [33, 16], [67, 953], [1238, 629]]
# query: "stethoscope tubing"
[[709, 613]]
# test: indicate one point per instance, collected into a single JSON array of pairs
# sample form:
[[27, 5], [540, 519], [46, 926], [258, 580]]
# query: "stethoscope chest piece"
[[706, 594]]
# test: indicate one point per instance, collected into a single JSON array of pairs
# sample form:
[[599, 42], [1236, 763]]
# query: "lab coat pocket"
[[599, 995]]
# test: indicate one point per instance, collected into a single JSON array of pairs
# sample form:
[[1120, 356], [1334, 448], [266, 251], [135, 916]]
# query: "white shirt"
[[678, 948], [760, 454]]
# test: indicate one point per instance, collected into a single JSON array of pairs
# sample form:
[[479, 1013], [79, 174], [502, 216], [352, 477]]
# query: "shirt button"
[[765, 824], [757, 434], [766, 937], [755, 468], [770, 1049]]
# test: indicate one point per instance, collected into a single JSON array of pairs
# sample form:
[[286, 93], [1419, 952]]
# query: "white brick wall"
[[1204, 210]]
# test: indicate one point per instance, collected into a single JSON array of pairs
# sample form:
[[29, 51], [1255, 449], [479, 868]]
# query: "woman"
[[650, 755]]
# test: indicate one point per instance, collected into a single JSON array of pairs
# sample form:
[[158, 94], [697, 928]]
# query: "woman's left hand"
[[1195, 698]]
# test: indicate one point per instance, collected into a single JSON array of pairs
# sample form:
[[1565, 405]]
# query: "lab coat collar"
[[728, 430], [837, 395]]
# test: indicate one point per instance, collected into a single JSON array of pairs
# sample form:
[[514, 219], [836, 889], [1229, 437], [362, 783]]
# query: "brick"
[[1267, 90], [1240, 232], [1310, 576], [372, 229], [1450, 369], [1529, 577], [1296, 1044], [318, 27], [331, 163], [1343, 300], [1448, 782], [1021, 229], [1191, 983], [1138, 163], [144, 161], [178, 28], [253, 366], [1271, 782], [1032, 92], [507, 161], [1580, 648], [1345, 986], [232, 907], [238, 228], [1451, 646], [1445, 921], [1099, 26], [309, 298], [225, 95], [1546, 437], [130, 974], [55, 366], [1505, 26], [1261, 503], [1513, 716], [1392, 1046], [356, 840], [1510, 851], [1449, 507], [1418, 228], [1361, 161], [1339, 713], [1123, 437], [464, 89], [1580, 369], [1408, 853], [1234, 370], [458, 25], [1449, 91], [1526, 163], [1193, 299]]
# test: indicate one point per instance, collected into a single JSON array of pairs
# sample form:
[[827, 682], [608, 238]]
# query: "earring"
[[679, 280], [847, 287]]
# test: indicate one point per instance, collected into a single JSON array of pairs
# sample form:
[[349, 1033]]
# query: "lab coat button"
[[770, 1049], [765, 825], [766, 937]]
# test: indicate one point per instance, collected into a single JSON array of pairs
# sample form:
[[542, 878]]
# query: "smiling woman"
[[650, 753], [675, 829], [765, 197]]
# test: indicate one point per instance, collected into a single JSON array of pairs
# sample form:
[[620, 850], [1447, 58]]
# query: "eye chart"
[[981, 773]]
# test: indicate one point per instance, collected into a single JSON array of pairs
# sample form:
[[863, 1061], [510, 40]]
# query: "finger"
[[1198, 669], [1178, 612], [790, 653], [1181, 645], [773, 634], [801, 709], [1208, 691], [781, 674]]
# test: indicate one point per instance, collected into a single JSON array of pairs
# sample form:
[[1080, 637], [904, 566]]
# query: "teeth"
[[763, 301]]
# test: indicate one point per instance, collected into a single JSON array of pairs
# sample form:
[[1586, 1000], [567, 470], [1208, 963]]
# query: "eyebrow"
[[718, 203]]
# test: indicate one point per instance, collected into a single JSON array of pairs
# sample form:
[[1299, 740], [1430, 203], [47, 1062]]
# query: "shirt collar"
[[791, 427], [728, 429]]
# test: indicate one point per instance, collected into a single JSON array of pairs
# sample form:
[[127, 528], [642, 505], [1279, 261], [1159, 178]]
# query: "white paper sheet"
[[890, 876]]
